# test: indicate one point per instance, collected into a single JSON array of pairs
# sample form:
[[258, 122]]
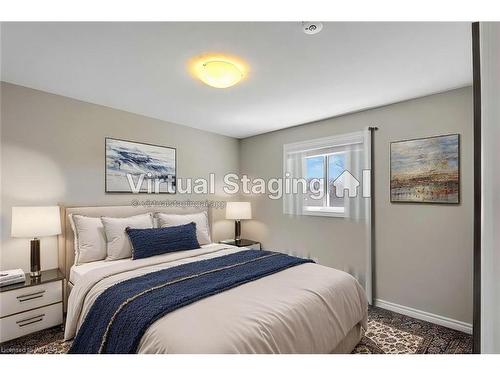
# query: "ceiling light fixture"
[[218, 71]]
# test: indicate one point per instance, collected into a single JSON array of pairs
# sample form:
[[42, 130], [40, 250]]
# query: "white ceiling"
[[294, 78]]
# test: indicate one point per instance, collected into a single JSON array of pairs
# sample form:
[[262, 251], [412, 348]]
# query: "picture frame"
[[156, 163], [425, 170]]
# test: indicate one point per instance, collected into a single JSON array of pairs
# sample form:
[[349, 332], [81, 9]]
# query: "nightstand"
[[244, 243], [31, 306]]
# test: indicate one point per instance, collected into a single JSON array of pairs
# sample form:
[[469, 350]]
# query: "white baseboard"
[[426, 316]]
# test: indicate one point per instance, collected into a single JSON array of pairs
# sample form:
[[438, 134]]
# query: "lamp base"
[[237, 230], [35, 258]]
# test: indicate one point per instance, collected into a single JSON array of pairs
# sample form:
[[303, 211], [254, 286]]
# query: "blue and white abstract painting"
[[133, 167]]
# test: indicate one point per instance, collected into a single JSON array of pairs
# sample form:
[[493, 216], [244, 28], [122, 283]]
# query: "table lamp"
[[238, 211], [35, 222]]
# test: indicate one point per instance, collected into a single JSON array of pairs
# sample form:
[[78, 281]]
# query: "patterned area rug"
[[393, 333], [384, 339], [388, 333], [48, 341]]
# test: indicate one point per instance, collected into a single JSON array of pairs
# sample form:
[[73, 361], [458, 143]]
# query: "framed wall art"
[[426, 170], [134, 167]]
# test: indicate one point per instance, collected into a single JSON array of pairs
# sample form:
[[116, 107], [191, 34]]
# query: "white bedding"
[[77, 272], [304, 309]]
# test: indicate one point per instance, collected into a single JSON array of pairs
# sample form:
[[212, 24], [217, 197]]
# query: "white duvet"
[[304, 309]]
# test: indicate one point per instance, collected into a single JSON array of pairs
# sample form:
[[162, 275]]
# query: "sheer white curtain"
[[358, 164], [294, 167]]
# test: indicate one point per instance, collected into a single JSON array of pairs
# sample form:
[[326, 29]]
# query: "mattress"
[[308, 308]]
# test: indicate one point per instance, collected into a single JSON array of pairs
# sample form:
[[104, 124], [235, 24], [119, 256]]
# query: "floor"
[[388, 333]]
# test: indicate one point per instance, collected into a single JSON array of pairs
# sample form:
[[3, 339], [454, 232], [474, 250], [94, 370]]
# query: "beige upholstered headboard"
[[66, 239]]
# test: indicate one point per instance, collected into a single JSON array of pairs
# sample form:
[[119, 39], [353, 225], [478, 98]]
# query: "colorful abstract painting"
[[133, 167], [426, 170]]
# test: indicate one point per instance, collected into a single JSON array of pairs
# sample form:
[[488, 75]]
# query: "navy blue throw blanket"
[[121, 315]]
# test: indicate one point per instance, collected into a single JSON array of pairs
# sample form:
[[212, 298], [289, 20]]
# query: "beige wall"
[[52, 152], [423, 254]]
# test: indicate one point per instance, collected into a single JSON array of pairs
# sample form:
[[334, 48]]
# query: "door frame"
[[476, 88]]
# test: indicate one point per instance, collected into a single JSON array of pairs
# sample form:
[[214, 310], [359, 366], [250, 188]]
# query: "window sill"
[[324, 211]]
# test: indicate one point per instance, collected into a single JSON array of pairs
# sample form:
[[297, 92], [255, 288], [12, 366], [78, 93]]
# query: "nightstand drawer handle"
[[28, 321], [26, 297]]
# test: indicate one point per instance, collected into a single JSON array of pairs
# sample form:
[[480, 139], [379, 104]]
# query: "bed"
[[307, 308]]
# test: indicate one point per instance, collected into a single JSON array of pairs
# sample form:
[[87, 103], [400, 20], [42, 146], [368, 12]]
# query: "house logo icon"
[[346, 181]]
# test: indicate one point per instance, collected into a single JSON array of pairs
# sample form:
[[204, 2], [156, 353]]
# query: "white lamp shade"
[[30, 222], [238, 210]]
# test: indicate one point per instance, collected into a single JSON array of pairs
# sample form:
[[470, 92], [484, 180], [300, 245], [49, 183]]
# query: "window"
[[321, 163], [325, 169]]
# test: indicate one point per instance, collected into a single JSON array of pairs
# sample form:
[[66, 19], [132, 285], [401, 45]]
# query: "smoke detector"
[[311, 28]]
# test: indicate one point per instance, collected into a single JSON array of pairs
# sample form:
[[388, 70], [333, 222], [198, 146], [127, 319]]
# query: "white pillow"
[[200, 219], [90, 240], [118, 243]]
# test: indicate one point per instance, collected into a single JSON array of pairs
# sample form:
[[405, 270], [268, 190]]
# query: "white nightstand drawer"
[[19, 300], [30, 321]]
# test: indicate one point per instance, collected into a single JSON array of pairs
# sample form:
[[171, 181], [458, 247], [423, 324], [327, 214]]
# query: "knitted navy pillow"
[[154, 241]]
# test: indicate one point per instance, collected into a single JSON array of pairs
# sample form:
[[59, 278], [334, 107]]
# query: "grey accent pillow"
[[117, 242], [200, 219]]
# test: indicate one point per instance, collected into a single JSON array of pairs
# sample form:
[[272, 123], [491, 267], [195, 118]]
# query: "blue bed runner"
[[121, 315]]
